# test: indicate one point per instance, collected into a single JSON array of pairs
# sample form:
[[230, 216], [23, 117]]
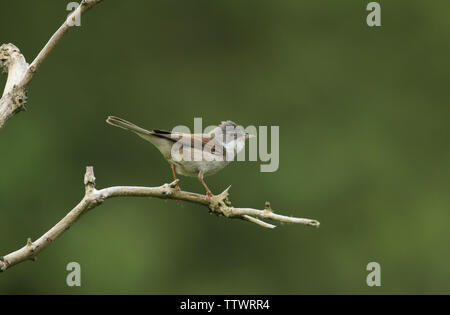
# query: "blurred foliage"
[[364, 124]]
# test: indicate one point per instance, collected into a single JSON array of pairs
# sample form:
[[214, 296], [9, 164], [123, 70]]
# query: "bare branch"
[[219, 204], [20, 73]]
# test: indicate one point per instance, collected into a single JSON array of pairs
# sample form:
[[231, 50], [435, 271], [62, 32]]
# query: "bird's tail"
[[121, 123]]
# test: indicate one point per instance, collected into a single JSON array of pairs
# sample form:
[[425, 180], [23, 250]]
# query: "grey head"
[[230, 131]]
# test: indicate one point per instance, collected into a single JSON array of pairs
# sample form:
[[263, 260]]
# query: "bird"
[[195, 155]]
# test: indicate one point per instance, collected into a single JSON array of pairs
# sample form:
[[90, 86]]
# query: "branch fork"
[[219, 204]]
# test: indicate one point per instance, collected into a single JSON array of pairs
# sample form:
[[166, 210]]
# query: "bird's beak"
[[249, 136]]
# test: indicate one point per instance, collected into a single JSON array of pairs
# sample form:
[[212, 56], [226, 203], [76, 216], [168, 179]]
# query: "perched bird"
[[193, 154]]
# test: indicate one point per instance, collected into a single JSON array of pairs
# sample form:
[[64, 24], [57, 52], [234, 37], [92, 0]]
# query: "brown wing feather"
[[206, 140], [210, 143], [174, 137]]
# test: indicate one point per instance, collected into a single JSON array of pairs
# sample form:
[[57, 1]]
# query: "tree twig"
[[219, 204], [20, 73]]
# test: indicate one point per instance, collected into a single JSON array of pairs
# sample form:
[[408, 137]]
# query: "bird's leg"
[[177, 187], [208, 192]]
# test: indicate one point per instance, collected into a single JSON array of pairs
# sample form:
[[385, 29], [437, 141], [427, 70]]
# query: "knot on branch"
[[19, 98], [94, 200], [3, 264], [89, 180], [31, 249], [168, 188], [8, 52], [221, 204], [15, 101]]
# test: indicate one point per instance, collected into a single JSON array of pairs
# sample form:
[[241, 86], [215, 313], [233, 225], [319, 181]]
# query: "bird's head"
[[231, 135], [232, 131]]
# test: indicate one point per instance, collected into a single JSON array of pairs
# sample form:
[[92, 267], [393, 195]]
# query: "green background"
[[364, 145]]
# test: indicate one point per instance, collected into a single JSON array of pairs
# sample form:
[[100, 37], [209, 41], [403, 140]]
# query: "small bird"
[[202, 154]]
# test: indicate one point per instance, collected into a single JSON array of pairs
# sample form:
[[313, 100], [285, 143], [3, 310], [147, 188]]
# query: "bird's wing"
[[173, 136], [208, 142]]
